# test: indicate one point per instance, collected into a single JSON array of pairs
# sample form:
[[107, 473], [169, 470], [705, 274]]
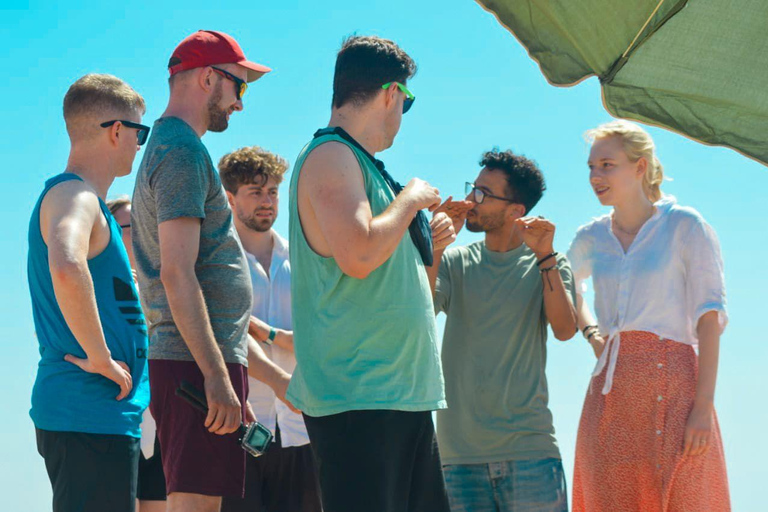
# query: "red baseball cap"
[[207, 48]]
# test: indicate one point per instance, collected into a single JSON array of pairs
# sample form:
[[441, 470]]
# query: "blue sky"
[[476, 88]]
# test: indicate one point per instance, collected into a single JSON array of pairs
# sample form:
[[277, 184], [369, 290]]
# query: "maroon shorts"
[[195, 460]]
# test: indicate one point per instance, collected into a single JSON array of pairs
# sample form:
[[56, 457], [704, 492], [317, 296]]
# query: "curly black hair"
[[364, 64], [525, 182]]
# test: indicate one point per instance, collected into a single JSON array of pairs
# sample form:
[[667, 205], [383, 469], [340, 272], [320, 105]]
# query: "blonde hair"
[[117, 203], [637, 144], [95, 98]]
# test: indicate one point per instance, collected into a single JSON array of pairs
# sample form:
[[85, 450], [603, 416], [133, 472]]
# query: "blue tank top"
[[64, 397]]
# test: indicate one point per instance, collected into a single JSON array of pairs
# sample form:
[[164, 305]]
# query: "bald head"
[[96, 98]]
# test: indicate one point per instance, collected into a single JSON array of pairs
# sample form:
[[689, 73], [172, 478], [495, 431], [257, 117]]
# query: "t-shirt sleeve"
[[443, 286], [180, 184], [704, 274], [566, 274], [581, 256]]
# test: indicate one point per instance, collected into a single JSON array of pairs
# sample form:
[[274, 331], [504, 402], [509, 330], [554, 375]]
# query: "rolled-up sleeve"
[[566, 274], [443, 286], [704, 274]]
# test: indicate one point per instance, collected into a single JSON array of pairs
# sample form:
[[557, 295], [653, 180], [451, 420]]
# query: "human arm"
[[443, 234], [451, 211], [585, 319], [335, 193], [538, 234], [179, 247], [262, 368], [69, 222], [580, 256], [705, 293], [698, 428], [260, 331]]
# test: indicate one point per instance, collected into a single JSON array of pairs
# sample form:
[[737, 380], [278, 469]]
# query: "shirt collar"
[[279, 249], [663, 206]]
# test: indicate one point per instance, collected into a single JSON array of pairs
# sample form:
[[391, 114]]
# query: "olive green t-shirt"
[[494, 356]]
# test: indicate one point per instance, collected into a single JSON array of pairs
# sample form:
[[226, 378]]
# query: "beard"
[[484, 223], [255, 223], [217, 116]]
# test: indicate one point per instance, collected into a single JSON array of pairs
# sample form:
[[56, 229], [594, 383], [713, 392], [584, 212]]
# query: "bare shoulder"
[[72, 208], [73, 197], [331, 162]]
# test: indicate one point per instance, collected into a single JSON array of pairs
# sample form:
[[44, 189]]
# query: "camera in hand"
[[254, 438]]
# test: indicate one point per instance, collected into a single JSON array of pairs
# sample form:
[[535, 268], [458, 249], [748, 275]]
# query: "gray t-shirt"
[[177, 179], [494, 356]]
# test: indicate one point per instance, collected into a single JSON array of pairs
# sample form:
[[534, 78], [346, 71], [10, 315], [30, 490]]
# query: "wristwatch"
[[272, 335]]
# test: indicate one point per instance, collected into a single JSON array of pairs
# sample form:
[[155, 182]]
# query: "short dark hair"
[[250, 166], [525, 182], [364, 64]]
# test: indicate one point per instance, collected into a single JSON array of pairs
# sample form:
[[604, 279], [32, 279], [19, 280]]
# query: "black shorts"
[[151, 476], [281, 480], [90, 472], [378, 461]]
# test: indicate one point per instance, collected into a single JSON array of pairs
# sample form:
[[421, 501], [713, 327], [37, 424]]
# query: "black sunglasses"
[[240, 85], [479, 195], [141, 135]]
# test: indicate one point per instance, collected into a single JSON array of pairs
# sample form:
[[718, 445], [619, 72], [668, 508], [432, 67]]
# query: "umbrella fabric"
[[698, 67]]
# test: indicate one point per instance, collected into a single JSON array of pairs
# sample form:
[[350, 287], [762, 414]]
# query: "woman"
[[648, 437], [151, 488]]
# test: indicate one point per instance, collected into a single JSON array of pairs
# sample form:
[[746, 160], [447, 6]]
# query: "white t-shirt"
[[670, 276], [272, 304]]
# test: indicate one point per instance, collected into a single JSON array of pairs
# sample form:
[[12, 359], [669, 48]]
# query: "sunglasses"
[[240, 85], [479, 195], [141, 135], [409, 97]]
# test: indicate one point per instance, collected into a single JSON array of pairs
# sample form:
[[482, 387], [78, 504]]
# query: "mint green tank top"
[[361, 343]]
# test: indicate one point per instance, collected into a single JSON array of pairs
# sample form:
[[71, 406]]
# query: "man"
[[368, 372], [91, 386], [150, 490], [499, 294], [284, 479], [193, 277]]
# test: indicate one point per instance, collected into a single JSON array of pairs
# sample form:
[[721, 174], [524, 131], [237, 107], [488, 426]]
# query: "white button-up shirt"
[[272, 304], [670, 276]]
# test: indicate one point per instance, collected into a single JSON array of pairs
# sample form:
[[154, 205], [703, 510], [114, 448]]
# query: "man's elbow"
[[359, 267], [172, 274], [65, 271], [565, 333], [358, 272]]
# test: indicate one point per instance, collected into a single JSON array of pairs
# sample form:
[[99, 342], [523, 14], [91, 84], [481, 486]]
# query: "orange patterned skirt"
[[630, 441]]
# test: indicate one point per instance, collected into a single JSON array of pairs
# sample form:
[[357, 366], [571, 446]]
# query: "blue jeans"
[[510, 486]]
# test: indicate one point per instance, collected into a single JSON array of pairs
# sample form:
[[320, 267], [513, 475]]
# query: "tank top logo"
[[132, 314]]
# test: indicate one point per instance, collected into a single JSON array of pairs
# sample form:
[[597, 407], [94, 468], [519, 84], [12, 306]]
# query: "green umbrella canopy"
[[697, 67]]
